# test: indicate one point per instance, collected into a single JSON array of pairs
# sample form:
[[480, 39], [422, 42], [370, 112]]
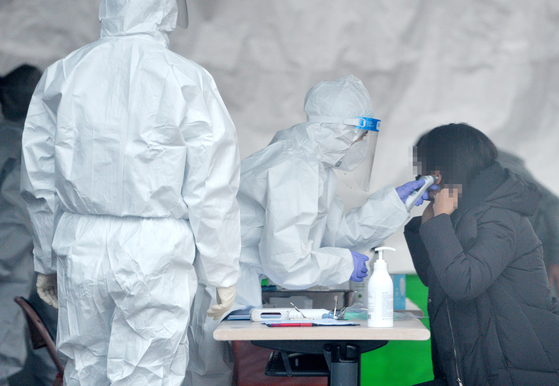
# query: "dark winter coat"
[[493, 320]]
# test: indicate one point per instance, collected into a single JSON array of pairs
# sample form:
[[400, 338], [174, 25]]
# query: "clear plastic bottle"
[[381, 294]]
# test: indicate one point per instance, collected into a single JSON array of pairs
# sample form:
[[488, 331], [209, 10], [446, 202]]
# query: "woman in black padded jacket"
[[493, 320]]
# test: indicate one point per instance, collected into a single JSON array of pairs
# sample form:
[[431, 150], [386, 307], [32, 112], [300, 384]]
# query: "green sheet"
[[401, 363]]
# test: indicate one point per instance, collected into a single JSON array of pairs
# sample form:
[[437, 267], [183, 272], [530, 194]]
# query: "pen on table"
[[291, 325]]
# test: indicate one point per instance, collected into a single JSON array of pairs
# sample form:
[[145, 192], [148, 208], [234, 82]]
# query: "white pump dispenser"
[[381, 294]]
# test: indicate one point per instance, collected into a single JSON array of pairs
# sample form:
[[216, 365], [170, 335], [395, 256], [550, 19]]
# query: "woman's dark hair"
[[457, 150]]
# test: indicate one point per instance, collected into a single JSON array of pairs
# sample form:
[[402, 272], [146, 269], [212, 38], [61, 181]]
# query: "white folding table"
[[341, 346]]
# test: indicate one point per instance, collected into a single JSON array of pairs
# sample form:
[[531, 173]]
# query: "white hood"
[[157, 18], [345, 97], [327, 141]]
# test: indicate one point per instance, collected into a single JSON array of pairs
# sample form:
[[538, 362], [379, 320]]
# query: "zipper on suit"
[[453, 346]]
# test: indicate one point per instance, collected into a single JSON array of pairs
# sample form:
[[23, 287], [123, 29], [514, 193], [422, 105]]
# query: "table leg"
[[344, 362], [342, 357]]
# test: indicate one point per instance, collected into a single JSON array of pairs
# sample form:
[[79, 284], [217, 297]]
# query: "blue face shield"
[[357, 163], [364, 123]]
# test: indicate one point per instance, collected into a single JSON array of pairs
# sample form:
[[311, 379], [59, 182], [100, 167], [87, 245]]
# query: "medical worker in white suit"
[[294, 230], [131, 169]]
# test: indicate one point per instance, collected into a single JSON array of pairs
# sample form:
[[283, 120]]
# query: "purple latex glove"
[[405, 190], [359, 266]]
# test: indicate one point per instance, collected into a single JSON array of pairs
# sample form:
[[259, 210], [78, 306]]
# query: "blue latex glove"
[[359, 266], [405, 190]]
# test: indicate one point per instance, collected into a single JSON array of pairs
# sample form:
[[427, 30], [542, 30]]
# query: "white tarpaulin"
[[492, 64]]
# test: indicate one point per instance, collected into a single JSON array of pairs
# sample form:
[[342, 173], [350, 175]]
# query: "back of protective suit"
[[131, 168]]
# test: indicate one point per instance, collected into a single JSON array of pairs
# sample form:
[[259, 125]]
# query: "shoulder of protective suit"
[[190, 68], [182, 62], [280, 155]]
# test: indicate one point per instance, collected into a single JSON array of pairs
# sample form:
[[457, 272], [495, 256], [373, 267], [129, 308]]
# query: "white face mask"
[[353, 157]]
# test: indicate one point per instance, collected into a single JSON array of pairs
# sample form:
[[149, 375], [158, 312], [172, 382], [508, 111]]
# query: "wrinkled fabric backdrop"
[[491, 63]]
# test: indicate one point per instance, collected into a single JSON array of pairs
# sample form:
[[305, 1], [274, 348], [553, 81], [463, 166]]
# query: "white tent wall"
[[491, 63]]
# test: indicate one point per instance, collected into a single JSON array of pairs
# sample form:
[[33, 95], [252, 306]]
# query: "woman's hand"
[[553, 272], [446, 200]]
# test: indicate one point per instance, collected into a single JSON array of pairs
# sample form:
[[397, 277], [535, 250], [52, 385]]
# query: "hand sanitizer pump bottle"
[[381, 294]]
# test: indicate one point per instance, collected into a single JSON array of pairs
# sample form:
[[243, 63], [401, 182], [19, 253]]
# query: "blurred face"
[[455, 190]]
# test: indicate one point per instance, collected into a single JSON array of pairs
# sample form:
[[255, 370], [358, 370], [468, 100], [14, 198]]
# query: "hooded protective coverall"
[[293, 225], [131, 169]]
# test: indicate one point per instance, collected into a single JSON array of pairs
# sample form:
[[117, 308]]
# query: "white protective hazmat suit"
[[293, 225], [131, 168]]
